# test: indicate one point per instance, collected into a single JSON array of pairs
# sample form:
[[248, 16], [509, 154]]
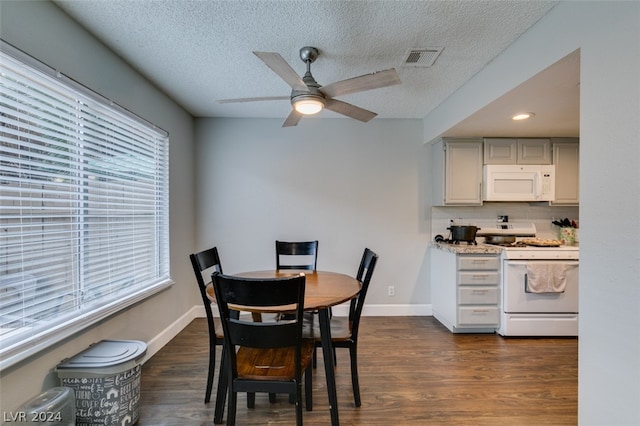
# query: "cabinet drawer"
[[478, 315], [478, 295], [478, 262], [478, 278]]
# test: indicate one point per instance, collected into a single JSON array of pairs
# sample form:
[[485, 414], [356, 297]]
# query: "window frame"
[[33, 340]]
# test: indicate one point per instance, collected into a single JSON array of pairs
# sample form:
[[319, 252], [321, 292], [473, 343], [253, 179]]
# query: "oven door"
[[516, 298]]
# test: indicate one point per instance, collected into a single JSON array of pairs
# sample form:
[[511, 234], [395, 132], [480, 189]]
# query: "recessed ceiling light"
[[522, 116]]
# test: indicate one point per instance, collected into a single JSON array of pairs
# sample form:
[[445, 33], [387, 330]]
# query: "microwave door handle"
[[538, 184]]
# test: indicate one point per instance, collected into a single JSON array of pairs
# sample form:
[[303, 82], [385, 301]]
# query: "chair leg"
[[231, 411], [353, 353], [308, 388], [272, 398], [223, 382], [212, 368], [298, 397], [251, 400]]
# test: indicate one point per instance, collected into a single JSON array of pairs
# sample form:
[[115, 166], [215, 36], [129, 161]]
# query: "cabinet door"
[[500, 151], [566, 157], [534, 151], [463, 173]]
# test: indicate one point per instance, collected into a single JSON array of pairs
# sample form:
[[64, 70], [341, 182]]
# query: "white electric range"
[[539, 285]]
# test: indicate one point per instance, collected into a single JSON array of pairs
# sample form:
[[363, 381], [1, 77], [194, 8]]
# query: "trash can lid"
[[106, 353]]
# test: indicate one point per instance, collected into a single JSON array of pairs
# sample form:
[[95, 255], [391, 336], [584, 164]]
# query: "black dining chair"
[[297, 255], [344, 330], [207, 262], [264, 356], [302, 255]]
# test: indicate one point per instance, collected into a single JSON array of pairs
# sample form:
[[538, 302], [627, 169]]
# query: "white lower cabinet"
[[465, 291]]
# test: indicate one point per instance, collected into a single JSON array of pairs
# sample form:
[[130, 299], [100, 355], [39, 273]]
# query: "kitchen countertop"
[[464, 248]]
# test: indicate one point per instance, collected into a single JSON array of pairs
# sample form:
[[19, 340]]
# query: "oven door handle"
[[526, 287]]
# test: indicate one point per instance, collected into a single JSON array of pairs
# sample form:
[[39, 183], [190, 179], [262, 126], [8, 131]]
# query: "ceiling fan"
[[308, 97]]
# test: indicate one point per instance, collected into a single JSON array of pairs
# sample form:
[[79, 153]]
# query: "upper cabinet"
[[566, 158], [517, 151], [456, 166]]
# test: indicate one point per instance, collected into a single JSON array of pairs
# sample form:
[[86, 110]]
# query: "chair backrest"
[[254, 292], [297, 255], [204, 264], [365, 272]]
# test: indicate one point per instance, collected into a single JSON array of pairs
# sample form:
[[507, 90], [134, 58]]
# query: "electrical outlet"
[[391, 291]]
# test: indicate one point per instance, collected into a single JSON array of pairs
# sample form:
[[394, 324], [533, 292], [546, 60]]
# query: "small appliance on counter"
[[459, 233]]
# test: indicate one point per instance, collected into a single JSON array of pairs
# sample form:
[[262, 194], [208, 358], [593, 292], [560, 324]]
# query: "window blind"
[[84, 209]]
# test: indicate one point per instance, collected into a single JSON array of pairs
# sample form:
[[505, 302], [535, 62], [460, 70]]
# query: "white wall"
[[608, 34], [347, 184], [43, 31]]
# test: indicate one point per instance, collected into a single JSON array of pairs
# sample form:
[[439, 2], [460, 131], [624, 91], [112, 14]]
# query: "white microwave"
[[519, 182]]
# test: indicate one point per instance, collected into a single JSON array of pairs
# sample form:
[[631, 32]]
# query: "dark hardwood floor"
[[412, 371]]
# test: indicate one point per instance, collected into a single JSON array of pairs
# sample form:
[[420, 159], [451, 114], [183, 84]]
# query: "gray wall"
[[608, 36], [43, 31], [348, 184]]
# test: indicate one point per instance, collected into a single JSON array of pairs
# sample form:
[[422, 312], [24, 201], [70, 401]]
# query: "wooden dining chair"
[[344, 330], [206, 262], [264, 356], [297, 255]]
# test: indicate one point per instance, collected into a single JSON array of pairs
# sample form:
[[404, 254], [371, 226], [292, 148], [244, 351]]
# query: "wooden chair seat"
[[340, 328], [252, 365]]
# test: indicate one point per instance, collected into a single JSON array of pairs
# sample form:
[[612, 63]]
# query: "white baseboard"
[[368, 311], [159, 341]]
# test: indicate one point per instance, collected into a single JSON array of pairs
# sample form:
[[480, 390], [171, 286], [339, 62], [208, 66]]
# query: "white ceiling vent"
[[421, 57]]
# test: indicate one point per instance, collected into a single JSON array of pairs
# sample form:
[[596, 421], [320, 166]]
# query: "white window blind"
[[83, 208]]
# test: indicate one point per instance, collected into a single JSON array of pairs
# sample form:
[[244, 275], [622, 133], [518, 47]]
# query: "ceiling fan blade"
[[349, 110], [264, 98], [283, 69], [375, 80], [292, 119]]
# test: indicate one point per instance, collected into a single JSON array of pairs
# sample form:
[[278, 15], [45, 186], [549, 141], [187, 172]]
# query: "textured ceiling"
[[200, 51]]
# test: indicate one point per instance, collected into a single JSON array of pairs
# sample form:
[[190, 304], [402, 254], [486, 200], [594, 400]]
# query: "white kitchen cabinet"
[[517, 151], [500, 151], [465, 291], [456, 172], [566, 158]]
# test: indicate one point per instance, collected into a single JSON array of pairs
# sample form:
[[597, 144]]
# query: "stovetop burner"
[[469, 243]]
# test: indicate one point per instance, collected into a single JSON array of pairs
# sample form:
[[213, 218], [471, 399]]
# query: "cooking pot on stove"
[[463, 233]]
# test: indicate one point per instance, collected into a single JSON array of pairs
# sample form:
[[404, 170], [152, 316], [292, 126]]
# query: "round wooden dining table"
[[323, 290]]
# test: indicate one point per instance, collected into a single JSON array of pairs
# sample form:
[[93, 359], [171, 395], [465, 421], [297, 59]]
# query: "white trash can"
[[106, 381]]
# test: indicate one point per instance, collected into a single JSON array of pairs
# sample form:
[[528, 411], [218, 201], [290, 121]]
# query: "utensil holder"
[[567, 236]]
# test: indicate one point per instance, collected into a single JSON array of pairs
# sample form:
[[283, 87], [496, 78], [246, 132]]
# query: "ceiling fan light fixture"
[[308, 104]]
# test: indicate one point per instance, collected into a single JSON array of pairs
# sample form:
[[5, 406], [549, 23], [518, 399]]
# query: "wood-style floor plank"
[[412, 371]]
